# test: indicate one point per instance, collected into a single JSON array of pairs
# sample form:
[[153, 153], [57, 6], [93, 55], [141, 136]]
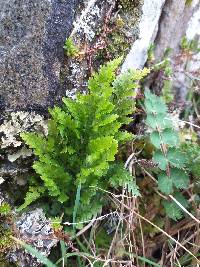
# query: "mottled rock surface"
[[12, 149], [103, 30], [148, 27], [173, 25], [32, 34], [33, 228]]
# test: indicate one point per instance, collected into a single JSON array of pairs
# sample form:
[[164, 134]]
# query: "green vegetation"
[[118, 171], [128, 4], [77, 157], [167, 154], [71, 50], [188, 2], [190, 45], [5, 230]]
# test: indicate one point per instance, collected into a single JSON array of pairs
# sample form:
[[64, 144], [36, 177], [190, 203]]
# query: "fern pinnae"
[[83, 139]]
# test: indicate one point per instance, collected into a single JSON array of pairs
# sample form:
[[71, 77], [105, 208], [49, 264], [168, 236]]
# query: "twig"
[[184, 242], [165, 233], [184, 209]]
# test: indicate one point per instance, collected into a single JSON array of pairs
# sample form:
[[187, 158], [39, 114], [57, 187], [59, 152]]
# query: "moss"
[[71, 50], [188, 2], [119, 44], [123, 30], [119, 40], [6, 243], [4, 209], [128, 4]]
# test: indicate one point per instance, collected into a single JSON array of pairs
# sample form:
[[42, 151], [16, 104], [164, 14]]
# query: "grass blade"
[[78, 193], [34, 252]]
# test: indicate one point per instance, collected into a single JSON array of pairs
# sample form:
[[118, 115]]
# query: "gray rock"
[[148, 27], [32, 34], [91, 35], [173, 25], [12, 149], [34, 229]]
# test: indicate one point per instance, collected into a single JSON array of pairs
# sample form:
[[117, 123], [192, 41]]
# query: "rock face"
[[32, 34], [163, 23], [33, 228], [103, 30], [150, 16], [173, 25]]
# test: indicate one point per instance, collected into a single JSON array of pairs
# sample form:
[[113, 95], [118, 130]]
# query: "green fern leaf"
[[83, 139], [132, 188], [121, 177], [104, 78], [32, 195]]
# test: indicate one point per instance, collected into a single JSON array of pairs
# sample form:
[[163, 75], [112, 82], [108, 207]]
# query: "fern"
[[167, 153], [83, 139], [32, 195]]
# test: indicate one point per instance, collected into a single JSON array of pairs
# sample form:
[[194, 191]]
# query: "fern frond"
[[83, 139]]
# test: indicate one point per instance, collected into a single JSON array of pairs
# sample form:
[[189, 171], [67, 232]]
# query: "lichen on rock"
[[13, 150], [34, 229], [102, 31], [18, 122]]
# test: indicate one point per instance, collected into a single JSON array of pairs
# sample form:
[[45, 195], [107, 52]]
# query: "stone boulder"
[[32, 34]]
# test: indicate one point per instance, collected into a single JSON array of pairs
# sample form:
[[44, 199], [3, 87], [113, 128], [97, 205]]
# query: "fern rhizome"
[[170, 159], [77, 158]]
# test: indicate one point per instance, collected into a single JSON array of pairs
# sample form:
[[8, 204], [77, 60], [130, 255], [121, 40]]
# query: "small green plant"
[[56, 223], [5, 229], [150, 53], [5, 209], [167, 94], [76, 158], [71, 50], [171, 160], [190, 45], [188, 2], [164, 65]]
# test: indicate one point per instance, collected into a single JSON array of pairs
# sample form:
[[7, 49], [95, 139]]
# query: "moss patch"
[[123, 30], [6, 243], [128, 4]]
